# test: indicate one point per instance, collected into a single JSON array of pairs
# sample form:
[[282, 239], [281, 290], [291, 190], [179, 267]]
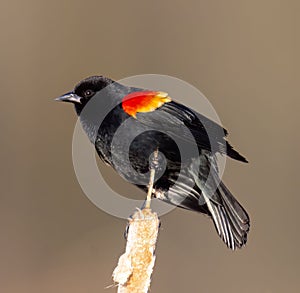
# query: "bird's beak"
[[69, 97]]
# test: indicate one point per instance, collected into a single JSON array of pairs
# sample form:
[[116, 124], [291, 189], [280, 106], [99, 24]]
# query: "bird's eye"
[[88, 93]]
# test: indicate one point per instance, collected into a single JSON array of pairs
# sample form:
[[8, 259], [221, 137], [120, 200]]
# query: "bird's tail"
[[231, 220]]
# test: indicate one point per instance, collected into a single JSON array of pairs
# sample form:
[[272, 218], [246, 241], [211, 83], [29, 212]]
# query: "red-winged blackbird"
[[144, 121]]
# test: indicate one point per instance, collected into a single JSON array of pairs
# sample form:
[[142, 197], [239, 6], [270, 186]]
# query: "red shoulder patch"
[[145, 101]]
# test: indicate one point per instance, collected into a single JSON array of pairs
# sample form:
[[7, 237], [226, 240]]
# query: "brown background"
[[243, 55]]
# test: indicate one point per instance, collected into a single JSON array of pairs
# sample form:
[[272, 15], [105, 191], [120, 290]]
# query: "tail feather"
[[231, 220], [234, 205], [222, 225]]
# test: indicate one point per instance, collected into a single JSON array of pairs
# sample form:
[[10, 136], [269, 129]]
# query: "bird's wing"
[[176, 119]]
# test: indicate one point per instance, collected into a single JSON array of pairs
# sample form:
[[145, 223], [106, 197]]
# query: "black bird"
[[128, 124]]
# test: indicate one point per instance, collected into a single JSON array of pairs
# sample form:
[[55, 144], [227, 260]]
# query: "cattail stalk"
[[135, 266]]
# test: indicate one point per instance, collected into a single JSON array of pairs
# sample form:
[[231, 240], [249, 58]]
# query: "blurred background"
[[243, 55]]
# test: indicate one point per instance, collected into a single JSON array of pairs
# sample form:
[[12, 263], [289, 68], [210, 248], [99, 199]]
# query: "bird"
[[127, 125]]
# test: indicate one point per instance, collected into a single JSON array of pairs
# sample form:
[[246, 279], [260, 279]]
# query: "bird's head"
[[85, 90]]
